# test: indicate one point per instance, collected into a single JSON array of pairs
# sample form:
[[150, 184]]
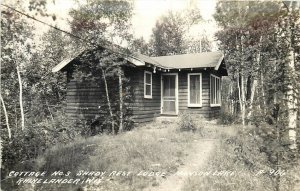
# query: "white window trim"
[[218, 104], [189, 101], [147, 96]]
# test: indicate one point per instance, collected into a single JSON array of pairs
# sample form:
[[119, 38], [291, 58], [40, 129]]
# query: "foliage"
[[43, 91], [227, 118], [240, 152], [189, 122], [139, 45], [16, 47], [105, 75], [103, 153], [98, 21], [170, 34], [186, 122], [20, 152], [103, 33], [43, 86], [260, 40]]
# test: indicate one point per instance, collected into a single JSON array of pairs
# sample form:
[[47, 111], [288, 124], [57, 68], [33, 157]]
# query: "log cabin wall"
[[85, 99], [206, 111], [144, 109]]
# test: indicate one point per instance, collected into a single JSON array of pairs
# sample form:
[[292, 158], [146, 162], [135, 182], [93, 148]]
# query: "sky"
[[146, 13]]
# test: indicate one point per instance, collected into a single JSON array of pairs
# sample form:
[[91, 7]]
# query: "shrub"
[[186, 123], [20, 152], [140, 149], [238, 153], [66, 157], [227, 118]]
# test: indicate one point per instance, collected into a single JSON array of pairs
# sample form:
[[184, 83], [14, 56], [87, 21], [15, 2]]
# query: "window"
[[195, 90], [147, 84], [215, 91]]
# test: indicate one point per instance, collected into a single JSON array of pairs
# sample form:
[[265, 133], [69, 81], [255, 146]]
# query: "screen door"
[[169, 94]]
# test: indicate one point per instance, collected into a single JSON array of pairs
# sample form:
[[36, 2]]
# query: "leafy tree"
[[104, 23], [16, 49], [246, 34], [139, 45], [199, 44], [47, 88], [260, 41], [100, 20], [169, 36]]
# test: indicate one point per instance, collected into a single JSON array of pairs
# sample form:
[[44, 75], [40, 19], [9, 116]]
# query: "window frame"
[[218, 103], [189, 100], [145, 84]]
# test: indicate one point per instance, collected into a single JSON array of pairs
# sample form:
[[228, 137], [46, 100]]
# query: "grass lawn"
[[146, 156], [157, 147], [238, 152]]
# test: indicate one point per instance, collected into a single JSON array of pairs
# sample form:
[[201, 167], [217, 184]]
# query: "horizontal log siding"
[[84, 100], [205, 111], [144, 109]]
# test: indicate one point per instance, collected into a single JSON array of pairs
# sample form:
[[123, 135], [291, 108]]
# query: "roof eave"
[[219, 62], [66, 61], [136, 62]]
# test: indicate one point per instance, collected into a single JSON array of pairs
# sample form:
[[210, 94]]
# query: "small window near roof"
[[147, 84], [215, 91], [195, 90]]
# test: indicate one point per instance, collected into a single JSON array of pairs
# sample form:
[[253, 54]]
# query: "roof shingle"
[[197, 60]]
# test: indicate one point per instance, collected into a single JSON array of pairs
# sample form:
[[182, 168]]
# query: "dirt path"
[[199, 155]]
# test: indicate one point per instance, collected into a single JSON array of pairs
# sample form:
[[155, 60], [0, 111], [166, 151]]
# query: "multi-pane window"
[[195, 90], [215, 91], [147, 84]]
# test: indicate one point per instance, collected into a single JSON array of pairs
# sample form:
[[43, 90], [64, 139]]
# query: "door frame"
[[176, 91]]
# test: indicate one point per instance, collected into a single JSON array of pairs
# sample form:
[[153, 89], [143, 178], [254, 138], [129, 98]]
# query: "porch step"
[[168, 119]]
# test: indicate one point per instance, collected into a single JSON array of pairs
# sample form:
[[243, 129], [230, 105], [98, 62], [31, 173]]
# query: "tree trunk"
[[241, 98], [254, 83], [243, 109], [21, 99], [263, 104], [121, 100], [248, 87], [49, 110], [241, 83], [6, 117], [292, 102], [108, 101], [253, 89], [291, 93], [16, 116], [229, 98]]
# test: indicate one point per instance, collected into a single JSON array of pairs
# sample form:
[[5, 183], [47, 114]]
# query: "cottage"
[[165, 85]]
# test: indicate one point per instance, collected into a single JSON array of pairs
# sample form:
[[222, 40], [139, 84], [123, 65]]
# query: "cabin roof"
[[188, 61], [67, 60], [196, 60]]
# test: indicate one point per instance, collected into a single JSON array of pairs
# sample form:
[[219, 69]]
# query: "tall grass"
[[152, 148], [241, 154]]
